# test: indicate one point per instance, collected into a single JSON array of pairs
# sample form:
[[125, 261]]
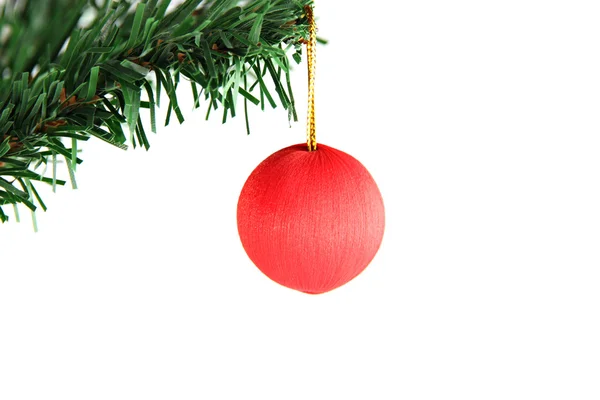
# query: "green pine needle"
[[75, 69]]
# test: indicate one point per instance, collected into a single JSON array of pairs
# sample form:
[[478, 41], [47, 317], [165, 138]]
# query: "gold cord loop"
[[311, 47]]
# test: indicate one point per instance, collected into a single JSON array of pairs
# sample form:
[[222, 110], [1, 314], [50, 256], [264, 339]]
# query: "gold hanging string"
[[311, 48]]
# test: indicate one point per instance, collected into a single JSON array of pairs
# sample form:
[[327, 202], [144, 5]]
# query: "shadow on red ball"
[[311, 221]]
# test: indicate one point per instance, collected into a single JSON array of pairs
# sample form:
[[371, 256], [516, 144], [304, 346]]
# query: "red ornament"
[[311, 220]]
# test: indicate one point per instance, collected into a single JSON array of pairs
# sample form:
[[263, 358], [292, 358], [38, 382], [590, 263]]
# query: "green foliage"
[[75, 69]]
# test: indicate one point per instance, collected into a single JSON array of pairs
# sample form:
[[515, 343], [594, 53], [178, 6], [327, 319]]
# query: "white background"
[[480, 121]]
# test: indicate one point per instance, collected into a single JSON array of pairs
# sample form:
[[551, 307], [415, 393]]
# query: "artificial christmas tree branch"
[[62, 82]]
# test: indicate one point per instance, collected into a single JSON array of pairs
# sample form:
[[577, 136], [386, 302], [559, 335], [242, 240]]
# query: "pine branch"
[[88, 82]]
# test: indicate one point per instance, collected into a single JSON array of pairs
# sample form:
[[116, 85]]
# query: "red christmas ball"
[[311, 221]]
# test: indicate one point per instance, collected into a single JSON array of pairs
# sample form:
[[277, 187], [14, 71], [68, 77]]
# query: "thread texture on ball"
[[311, 221]]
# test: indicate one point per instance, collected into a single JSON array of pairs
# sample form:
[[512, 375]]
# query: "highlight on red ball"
[[311, 221]]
